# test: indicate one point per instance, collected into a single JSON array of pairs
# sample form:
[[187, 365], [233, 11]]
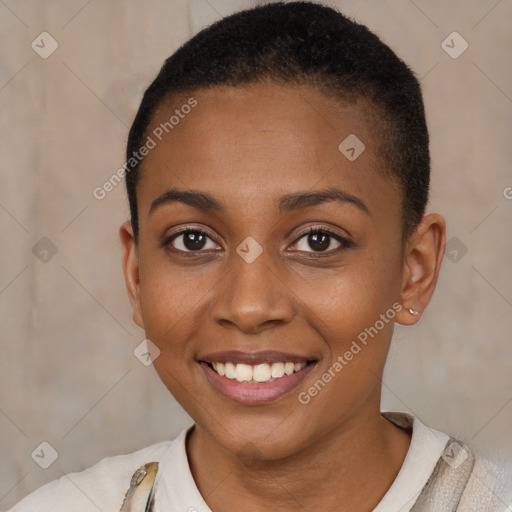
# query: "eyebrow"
[[286, 204]]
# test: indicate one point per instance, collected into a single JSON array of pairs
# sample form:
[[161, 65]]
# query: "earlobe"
[[131, 270], [421, 267]]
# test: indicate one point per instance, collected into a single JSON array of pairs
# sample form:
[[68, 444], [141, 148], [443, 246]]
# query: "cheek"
[[345, 311], [352, 310], [169, 310], [169, 303], [349, 299]]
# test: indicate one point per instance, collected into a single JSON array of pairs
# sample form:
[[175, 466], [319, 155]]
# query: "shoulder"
[[449, 467], [489, 488], [100, 487]]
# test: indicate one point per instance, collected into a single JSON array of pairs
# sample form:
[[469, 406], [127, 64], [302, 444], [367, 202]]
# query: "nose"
[[253, 296]]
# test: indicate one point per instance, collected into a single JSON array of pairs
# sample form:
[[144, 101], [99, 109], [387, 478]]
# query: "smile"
[[255, 378]]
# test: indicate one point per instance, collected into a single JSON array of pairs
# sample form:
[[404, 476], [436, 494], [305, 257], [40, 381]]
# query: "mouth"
[[255, 378]]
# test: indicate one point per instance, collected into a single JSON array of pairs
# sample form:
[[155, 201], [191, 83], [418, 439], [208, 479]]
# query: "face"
[[261, 269]]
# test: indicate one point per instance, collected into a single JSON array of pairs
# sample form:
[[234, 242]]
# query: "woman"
[[278, 174]]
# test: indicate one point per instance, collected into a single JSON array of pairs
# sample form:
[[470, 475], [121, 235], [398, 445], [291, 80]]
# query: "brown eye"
[[191, 240], [321, 240]]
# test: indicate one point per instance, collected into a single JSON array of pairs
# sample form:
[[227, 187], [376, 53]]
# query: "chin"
[[265, 439]]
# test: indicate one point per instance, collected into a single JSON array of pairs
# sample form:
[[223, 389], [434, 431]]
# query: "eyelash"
[[345, 243]]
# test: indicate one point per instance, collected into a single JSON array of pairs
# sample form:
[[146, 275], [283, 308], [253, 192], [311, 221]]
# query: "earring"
[[413, 312]]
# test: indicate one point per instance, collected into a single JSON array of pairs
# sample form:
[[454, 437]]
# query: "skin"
[[247, 147]]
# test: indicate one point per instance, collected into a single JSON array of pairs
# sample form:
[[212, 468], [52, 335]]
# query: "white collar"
[[427, 445]]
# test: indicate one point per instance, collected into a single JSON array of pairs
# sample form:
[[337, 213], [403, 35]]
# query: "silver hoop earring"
[[413, 312]]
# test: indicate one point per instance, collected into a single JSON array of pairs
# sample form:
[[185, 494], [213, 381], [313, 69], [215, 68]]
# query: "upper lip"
[[253, 357]]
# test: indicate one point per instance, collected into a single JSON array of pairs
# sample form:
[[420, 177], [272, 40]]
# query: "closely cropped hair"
[[303, 43]]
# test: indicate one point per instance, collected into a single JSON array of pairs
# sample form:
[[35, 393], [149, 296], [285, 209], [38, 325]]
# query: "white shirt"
[[103, 486]]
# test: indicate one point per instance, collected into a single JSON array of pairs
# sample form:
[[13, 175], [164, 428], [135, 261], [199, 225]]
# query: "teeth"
[[258, 373], [289, 368], [220, 369], [277, 370], [261, 373], [229, 369], [243, 372]]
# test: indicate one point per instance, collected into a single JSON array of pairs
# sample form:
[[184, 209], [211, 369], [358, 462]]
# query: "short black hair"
[[301, 43]]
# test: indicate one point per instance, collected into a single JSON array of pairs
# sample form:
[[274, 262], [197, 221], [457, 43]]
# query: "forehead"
[[257, 142]]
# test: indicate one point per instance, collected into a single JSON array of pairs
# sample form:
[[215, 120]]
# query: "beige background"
[[68, 375]]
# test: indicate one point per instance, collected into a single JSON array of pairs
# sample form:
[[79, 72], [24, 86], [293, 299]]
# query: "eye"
[[321, 240], [190, 240]]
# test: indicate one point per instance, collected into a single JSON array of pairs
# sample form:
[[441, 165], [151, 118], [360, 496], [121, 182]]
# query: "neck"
[[349, 468]]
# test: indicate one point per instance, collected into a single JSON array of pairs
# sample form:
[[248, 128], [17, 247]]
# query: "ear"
[[131, 270], [422, 262]]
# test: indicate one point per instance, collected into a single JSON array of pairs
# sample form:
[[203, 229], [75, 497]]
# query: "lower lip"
[[254, 394]]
